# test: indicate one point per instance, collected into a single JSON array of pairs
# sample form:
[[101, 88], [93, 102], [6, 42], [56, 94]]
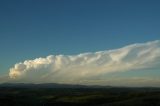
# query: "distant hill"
[[49, 85], [52, 94], [56, 85]]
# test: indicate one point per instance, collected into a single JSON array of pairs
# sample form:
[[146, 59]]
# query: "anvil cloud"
[[73, 68]]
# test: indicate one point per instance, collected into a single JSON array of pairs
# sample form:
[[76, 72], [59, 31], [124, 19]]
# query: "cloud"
[[124, 81], [4, 79], [77, 68]]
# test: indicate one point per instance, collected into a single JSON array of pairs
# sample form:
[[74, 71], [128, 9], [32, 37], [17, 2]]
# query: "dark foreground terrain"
[[58, 95]]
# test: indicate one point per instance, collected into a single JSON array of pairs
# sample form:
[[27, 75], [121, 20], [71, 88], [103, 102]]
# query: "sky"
[[31, 29]]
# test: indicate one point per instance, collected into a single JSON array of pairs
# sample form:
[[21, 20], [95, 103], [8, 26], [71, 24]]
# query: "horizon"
[[86, 42], [18, 84]]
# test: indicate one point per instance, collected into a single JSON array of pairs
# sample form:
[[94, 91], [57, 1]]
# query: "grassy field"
[[14, 96]]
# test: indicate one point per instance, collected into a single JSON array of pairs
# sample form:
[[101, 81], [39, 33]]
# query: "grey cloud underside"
[[72, 68]]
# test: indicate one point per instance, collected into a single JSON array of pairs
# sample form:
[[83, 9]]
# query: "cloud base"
[[86, 67]]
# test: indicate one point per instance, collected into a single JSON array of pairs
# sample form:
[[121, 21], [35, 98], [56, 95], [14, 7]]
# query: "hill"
[[76, 95]]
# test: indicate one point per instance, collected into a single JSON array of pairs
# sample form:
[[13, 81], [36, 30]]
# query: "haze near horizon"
[[91, 42]]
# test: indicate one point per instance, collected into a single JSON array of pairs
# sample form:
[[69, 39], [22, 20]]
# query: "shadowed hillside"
[[59, 94]]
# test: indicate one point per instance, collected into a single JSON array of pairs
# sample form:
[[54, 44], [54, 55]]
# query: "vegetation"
[[26, 96]]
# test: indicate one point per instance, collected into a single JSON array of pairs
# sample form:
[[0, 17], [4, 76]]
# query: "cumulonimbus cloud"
[[70, 68]]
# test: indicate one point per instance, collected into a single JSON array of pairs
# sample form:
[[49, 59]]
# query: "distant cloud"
[[74, 68], [4, 78]]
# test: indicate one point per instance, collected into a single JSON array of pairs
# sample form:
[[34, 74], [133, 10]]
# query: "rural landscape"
[[76, 95], [79, 52]]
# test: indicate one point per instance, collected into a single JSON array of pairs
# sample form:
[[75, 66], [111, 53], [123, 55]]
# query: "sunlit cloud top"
[[84, 66]]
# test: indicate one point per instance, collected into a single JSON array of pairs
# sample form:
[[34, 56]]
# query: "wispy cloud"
[[74, 68]]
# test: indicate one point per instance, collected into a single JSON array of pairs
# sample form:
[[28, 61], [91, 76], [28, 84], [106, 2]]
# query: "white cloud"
[[75, 68]]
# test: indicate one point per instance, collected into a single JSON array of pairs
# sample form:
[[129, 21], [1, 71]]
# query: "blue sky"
[[38, 28]]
